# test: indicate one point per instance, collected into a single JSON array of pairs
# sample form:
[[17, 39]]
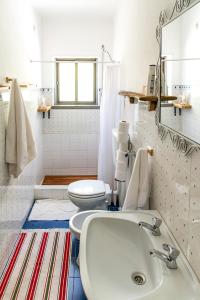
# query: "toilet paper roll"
[[123, 147], [121, 171], [123, 125], [123, 132], [122, 156], [121, 165]]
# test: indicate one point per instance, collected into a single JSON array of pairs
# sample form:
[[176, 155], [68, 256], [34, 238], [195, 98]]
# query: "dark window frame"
[[77, 60]]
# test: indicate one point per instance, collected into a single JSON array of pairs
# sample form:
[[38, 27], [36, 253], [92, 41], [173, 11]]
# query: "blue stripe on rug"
[[45, 224], [52, 224]]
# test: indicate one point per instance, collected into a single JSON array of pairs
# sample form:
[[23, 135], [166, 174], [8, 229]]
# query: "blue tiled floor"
[[75, 289]]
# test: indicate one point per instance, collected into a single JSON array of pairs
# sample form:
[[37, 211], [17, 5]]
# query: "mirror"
[[180, 74]]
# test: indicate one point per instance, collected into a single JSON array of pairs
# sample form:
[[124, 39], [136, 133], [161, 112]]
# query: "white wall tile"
[[71, 139], [175, 185], [16, 196]]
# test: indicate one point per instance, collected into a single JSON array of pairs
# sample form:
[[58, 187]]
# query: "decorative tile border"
[[179, 142]]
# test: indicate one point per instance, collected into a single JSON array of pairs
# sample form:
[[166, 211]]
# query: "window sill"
[[75, 107]]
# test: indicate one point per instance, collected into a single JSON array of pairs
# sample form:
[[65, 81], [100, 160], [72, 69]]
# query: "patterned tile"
[[175, 185]]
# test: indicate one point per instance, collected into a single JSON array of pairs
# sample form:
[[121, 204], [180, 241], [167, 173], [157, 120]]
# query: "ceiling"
[[106, 8]]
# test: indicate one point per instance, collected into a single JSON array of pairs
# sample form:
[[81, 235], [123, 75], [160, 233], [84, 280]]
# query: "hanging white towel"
[[20, 145], [137, 196]]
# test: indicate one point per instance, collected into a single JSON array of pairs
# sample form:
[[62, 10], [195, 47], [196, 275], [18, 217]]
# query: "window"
[[76, 81]]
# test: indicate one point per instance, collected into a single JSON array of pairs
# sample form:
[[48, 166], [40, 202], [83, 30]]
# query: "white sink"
[[114, 250]]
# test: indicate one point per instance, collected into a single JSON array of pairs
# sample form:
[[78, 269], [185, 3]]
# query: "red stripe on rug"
[[65, 268], [12, 264], [36, 271]]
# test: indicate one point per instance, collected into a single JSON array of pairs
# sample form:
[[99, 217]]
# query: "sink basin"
[[115, 263]]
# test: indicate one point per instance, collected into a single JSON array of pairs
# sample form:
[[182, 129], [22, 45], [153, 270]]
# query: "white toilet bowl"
[[76, 222], [89, 194]]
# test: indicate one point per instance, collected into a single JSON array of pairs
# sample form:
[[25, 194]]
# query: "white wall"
[[19, 40], [175, 186], [134, 43], [18, 43], [76, 131], [73, 36]]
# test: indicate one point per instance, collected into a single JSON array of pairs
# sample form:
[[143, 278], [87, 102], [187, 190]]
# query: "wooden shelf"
[[44, 108], [182, 105], [168, 98], [152, 100], [4, 88], [155, 99], [131, 95], [8, 81]]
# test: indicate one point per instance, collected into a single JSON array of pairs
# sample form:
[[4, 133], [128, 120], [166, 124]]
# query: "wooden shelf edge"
[[131, 95], [155, 98], [44, 109], [182, 105], [152, 100], [4, 88]]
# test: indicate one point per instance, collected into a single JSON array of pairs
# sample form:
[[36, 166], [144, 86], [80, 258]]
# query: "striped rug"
[[38, 268]]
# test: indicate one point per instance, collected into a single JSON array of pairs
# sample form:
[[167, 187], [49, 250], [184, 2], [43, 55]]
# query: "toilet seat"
[[85, 197], [89, 194], [87, 189]]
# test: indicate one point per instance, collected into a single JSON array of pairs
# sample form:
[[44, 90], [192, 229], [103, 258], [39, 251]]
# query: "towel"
[[20, 145], [137, 196]]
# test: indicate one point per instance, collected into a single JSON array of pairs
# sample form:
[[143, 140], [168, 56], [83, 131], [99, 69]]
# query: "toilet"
[[76, 222], [89, 194]]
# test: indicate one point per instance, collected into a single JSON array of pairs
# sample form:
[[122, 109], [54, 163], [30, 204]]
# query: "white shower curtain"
[[109, 119]]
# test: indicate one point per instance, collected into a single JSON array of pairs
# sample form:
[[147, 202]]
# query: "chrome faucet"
[[155, 227], [169, 259]]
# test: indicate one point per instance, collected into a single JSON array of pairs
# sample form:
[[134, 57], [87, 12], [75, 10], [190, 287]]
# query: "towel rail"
[[150, 151], [9, 80]]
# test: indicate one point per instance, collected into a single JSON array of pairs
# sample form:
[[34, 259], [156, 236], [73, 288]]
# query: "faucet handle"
[[173, 252], [156, 222]]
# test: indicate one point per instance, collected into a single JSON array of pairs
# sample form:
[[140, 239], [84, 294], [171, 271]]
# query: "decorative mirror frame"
[[179, 141]]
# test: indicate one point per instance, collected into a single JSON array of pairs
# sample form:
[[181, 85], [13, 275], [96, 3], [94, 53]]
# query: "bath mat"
[[38, 268], [52, 210]]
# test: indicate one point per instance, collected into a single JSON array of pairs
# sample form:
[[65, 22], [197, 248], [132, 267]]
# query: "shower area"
[[71, 133]]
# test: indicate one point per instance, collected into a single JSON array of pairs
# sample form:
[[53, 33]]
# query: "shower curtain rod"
[[103, 51], [72, 61]]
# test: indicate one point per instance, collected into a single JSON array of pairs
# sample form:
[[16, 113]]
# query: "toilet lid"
[[87, 188]]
